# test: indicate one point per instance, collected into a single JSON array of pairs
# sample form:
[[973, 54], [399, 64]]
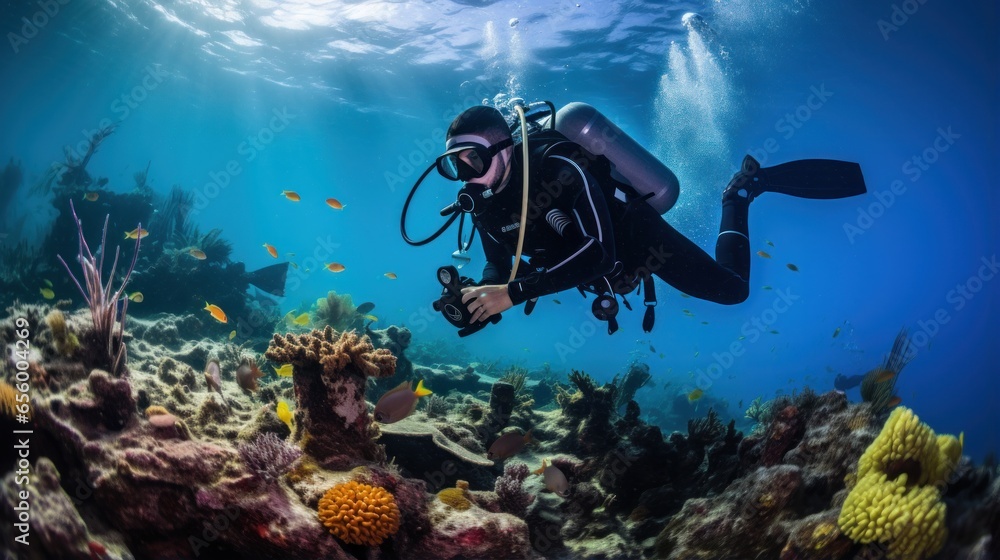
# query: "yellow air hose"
[[524, 198]]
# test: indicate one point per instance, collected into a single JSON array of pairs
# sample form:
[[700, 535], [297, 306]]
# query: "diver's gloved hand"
[[486, 301]]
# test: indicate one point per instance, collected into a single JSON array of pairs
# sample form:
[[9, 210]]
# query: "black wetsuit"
[[581, 230]]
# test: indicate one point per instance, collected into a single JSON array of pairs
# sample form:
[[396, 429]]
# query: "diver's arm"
[[498, 261], [580, 215]]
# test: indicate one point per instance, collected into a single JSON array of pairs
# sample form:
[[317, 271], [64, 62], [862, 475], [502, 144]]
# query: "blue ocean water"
[[241, 100]]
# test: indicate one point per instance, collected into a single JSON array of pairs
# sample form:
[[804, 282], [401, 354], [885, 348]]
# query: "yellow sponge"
[[896, 498]]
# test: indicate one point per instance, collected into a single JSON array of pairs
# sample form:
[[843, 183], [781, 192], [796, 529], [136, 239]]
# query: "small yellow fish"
[[217, 313], [197, 253], [336, 267], [47, 282], [291, 195], [285, 370], [137, 233], [390, 275], [271, 250], [334, 203], [792, 267], [91, 197], [301, 320], [371, 318], [136, 297], [47, 293], [763, 254], [695, 395], [284, 413], [836, 332], [232, 335]]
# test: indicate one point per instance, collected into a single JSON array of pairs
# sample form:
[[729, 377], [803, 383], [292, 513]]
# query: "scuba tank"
[[631, 163]]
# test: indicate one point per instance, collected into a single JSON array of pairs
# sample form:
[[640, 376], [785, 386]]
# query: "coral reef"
[[359, 514], [331, 372]]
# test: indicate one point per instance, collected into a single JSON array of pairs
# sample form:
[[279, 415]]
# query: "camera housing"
[[450, 303]]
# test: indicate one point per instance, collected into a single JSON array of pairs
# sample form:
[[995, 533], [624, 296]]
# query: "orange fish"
[[291, 195], [336, 267], [895, 401], [217, 313], [91, 197], [885, 375], [334, 203], [137, 233], [198, 254], [763, 254], [271, 250], [390, 275]]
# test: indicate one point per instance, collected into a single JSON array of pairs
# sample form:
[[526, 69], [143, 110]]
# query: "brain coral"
[[896, 499], [359, 514]]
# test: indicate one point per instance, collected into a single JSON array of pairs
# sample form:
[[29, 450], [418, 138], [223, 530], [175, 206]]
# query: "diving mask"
[[469, 157]]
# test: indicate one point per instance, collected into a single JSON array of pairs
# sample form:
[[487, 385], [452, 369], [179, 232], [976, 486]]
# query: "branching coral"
[[268, 455], [895, 499], [331, 352], [509, 487], [359, 514], [331, 372], [705, 430], [75, 173], [109, 325]]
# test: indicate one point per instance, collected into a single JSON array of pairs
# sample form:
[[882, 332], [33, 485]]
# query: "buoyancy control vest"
[[620, 198]]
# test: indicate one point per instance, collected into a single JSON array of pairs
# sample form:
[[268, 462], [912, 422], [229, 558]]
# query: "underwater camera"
[[450, 303]]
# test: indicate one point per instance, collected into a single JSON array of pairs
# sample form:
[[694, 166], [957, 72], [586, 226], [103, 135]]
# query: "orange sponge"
[[359, 514]]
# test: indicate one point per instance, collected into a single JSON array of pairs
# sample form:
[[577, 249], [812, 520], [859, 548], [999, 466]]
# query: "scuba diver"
[[586, 211]]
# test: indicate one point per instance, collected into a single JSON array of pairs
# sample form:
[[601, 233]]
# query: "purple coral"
[[268, 455], [510, 491]]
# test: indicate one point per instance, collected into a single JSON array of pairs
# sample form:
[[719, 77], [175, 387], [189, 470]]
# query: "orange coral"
[[331, 352], [358, 513]]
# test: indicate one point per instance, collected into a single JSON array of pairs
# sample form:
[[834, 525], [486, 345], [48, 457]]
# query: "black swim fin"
[[270, 279], [804, 178]]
